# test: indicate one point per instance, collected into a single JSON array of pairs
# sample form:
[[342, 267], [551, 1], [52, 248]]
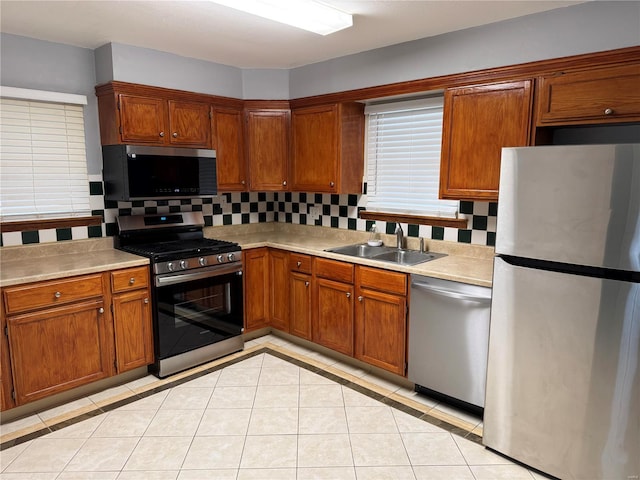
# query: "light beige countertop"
[[47, 261], [465, 263]]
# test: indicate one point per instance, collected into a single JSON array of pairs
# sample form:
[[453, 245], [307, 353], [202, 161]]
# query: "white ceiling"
[[206, 31]]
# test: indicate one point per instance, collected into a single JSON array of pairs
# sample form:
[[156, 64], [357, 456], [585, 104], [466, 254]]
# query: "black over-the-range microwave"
[[132, 172]]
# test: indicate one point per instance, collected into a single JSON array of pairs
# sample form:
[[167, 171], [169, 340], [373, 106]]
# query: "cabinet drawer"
[[129, 279], [382, 280], [340, 271], [300, 263], [55, 292]]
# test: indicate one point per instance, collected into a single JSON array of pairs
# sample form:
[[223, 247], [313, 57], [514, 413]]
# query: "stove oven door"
[[193, 310]]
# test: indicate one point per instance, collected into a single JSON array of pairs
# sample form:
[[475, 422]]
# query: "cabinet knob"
[[161, 134], [146, 300], [608, 111], [306, 284], [243, 182], [298, 264], [360, 298], [348, 295], [284, 183], [174, 134], [332, 184], [132, 281], [101, 310], [57, 294]]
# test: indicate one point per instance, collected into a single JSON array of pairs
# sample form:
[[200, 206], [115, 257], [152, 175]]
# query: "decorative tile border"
[[423, 412]]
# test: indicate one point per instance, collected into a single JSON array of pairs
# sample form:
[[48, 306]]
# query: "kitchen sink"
[[361, 250], [386, 254], [407, 257]]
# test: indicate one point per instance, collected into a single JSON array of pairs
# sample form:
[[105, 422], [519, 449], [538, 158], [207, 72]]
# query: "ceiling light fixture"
[[306, 14]]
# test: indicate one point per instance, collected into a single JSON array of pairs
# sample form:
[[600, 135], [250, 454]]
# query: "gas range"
[[197, 294], [174, 242]]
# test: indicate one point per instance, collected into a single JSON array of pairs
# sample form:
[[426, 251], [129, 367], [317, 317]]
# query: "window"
[[403, 158], [43, 166]]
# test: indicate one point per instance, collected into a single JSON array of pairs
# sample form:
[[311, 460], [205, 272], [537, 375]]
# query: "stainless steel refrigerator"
[[563, 380]]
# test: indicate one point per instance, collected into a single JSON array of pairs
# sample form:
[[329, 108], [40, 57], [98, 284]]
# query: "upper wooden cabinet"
[[595, 96], [267, 140], [231, 164], [328, 148], [136, 119], [478, 121]]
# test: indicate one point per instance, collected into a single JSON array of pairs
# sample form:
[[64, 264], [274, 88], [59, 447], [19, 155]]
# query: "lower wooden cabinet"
[[6, 381], [132, 322], [381, 319], [300, 305], [255, 266], [74, 331], [279, 289], [332, 320], [58, 349]]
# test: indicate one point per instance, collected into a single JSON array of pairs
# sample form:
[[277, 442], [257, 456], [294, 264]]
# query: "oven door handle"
[[162, 281]]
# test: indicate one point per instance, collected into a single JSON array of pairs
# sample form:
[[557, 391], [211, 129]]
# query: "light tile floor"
[[264, 417]]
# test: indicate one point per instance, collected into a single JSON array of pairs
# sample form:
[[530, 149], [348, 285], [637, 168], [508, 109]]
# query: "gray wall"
[[38, 65], [583, 28]]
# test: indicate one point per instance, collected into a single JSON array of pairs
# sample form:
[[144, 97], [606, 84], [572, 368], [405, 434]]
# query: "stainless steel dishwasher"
[[449, 339]]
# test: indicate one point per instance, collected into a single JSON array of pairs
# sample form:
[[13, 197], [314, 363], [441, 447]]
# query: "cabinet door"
[[478, 122], [605, 95], [268, 149], [143, 120], [279, 285], [6, 382], [333, 324], [300, 311], [256, 287], [230, 160], [189, 124], [58, 349], [133, 329], [381, 330], [315, 149]]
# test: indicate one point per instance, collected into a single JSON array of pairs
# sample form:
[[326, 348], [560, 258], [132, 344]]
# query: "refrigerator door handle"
[[451, 294]]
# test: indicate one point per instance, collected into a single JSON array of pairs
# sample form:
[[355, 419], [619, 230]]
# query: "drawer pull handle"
[[57, 294], [132, 281], [348, 295], [608, 111], [101, 310], [146, 300], [298, 264]]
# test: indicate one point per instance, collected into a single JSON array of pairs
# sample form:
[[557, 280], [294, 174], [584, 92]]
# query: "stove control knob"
[[202, 261], [183, 264], [220, 258], [170, 266], [231, 257]]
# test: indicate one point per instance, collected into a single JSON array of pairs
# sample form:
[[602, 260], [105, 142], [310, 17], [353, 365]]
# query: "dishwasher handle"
[[451, 294]]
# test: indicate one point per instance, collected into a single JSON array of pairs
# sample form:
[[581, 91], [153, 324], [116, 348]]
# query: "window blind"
[[43, 166], [403, 158]]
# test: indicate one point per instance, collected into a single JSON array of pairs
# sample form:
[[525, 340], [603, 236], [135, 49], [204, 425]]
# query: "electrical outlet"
[[314, 212]]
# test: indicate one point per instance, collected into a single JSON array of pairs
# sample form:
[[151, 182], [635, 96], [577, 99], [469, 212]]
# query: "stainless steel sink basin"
[[386, 254], [407, 257], [361, 250]]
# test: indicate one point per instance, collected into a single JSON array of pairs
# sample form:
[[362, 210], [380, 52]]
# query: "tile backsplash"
[[337, 211]]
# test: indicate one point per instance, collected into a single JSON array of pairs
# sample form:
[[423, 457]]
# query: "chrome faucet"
[[399, 236]]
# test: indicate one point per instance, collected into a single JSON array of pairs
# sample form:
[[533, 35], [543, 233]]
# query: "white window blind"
[[43, 166], [403, 158]]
